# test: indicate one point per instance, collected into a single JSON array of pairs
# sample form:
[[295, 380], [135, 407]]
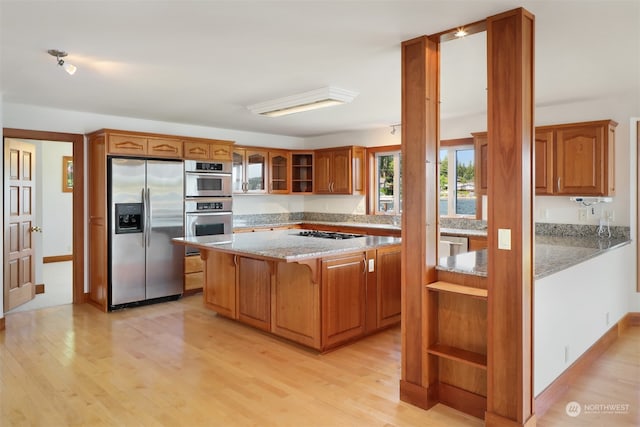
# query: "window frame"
[[372, 193]]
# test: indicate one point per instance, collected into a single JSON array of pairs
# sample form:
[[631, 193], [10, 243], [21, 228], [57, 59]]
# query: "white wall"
[[571, 306], [2, 264]]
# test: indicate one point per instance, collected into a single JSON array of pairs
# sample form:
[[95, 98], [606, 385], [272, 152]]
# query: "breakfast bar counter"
[[552, 254]]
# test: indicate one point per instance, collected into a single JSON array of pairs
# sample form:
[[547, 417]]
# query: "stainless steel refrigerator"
[[146, 210]]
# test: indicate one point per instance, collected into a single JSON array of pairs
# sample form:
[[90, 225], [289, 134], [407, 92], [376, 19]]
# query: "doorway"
[[77, 191]]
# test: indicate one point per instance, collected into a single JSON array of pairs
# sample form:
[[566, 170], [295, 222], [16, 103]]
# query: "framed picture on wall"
[[67, 174]]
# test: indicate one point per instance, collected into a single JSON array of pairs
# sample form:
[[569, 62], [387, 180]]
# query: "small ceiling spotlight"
[[59, 54], [393, 128], [461, 32]]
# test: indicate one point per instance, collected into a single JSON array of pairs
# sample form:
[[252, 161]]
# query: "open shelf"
[[441, 286], [452, 353]]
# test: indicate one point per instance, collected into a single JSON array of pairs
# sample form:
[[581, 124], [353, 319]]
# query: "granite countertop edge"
[[240, 225], [553, 254]]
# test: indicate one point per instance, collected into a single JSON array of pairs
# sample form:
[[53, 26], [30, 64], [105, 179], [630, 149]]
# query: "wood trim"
[[40, 288], [560, 385], [462, 400], [57, 258], [417, 395], [629, 320], [510, 55], [458, 142], [2, 324], [78, 196]]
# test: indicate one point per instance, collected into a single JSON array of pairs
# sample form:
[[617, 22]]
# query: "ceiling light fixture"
[[59, 54], [312, 100], [461, 32], [393, 128]]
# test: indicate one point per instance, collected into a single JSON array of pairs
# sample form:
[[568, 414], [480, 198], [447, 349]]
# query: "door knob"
[[35, 228]]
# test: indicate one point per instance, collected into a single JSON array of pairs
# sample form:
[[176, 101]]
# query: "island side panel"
[[219, 290]]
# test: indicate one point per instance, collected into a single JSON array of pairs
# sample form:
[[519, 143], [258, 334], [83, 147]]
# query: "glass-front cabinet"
[[279, 172], [249, 171]]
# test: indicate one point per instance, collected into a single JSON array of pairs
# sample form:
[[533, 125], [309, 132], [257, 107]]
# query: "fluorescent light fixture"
[[312, 100]]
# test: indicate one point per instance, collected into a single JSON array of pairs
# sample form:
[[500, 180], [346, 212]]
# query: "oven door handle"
[[208, 213], [208, 174]]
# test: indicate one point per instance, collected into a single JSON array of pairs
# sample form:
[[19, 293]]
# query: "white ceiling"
[[203, 62]]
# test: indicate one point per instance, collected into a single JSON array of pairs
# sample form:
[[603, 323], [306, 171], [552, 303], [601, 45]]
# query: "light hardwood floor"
[[178, 364]]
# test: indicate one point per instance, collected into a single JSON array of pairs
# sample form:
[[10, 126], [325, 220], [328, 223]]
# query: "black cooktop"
[[329, 235]]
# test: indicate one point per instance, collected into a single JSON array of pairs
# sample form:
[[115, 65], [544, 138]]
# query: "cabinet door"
[[256, 171], [543, 173], [279, 172], [127, 144], [254, 292], [164, 147], [296, 304], [220, 151], [322, 174], [580, 160], [237, 171], [196, 150], [220, 283], [341, 175], [388, 280], [343, 299]]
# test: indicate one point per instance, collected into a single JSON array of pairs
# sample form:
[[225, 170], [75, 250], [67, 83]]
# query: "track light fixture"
[[393, 128], [59, 54]]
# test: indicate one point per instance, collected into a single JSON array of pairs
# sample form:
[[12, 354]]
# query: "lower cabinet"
[[193, 274], [343, 299], [319, 303], [296, 304], [254, 292], [219, 292]]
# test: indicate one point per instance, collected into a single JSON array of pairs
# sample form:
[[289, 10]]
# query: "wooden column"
[[420, 134], [510, 50]]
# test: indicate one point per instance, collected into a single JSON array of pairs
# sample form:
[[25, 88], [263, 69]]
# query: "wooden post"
[[420, 134], [510, 50]]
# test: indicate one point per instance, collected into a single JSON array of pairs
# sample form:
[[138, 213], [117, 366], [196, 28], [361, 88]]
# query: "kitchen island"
[[320, 293]]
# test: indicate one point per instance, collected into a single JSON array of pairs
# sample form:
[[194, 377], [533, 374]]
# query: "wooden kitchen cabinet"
[[193, 274], [388, 277], [477, 243], [339, 171], [279, 172], [208, 150], [302, 172], [219, 290], [480, 150], [343, 299], [254, 292], [139, 144], [573, 159], [584, 159], [249, 173], [98, 228], [296, 303]]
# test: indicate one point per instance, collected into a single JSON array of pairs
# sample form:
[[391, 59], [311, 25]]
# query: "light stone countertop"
[[241, 224], [285, 245], [464, 232], [552, 254]]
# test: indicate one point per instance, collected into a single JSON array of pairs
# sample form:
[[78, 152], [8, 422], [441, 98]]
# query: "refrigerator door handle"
[[149, 217], [144, 218]]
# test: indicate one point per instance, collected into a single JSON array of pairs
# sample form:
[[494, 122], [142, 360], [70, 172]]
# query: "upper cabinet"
[[301, 172], [583, 159], [208, 150], [574, 159], [134, 144], [339, 171], [249, 170], [279, 172]]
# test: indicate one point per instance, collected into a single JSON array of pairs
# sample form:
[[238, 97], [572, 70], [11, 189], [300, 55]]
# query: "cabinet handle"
[[364, 265], [235, 260], [559, 178]]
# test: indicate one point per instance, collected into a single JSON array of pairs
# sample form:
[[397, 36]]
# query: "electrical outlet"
[[606, 318], [582, 215], [566, 354]]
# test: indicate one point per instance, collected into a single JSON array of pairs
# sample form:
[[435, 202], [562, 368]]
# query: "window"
[[457, 166], [386, 178]]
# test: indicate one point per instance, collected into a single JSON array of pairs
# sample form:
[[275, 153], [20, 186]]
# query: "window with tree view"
[[457, 181], [388, 177]]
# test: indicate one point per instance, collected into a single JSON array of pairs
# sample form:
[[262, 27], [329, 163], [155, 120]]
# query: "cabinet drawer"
[[192, 264], [127, 144], [164, 147], [193, 281]]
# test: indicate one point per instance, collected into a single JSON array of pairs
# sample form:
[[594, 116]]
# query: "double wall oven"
[[208, 199]]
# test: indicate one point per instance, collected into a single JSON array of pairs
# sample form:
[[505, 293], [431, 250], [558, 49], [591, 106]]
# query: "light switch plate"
[[504, 238], [371, 265]]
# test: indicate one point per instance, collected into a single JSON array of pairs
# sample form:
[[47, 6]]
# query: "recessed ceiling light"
[[461, 32], [306, 101]]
